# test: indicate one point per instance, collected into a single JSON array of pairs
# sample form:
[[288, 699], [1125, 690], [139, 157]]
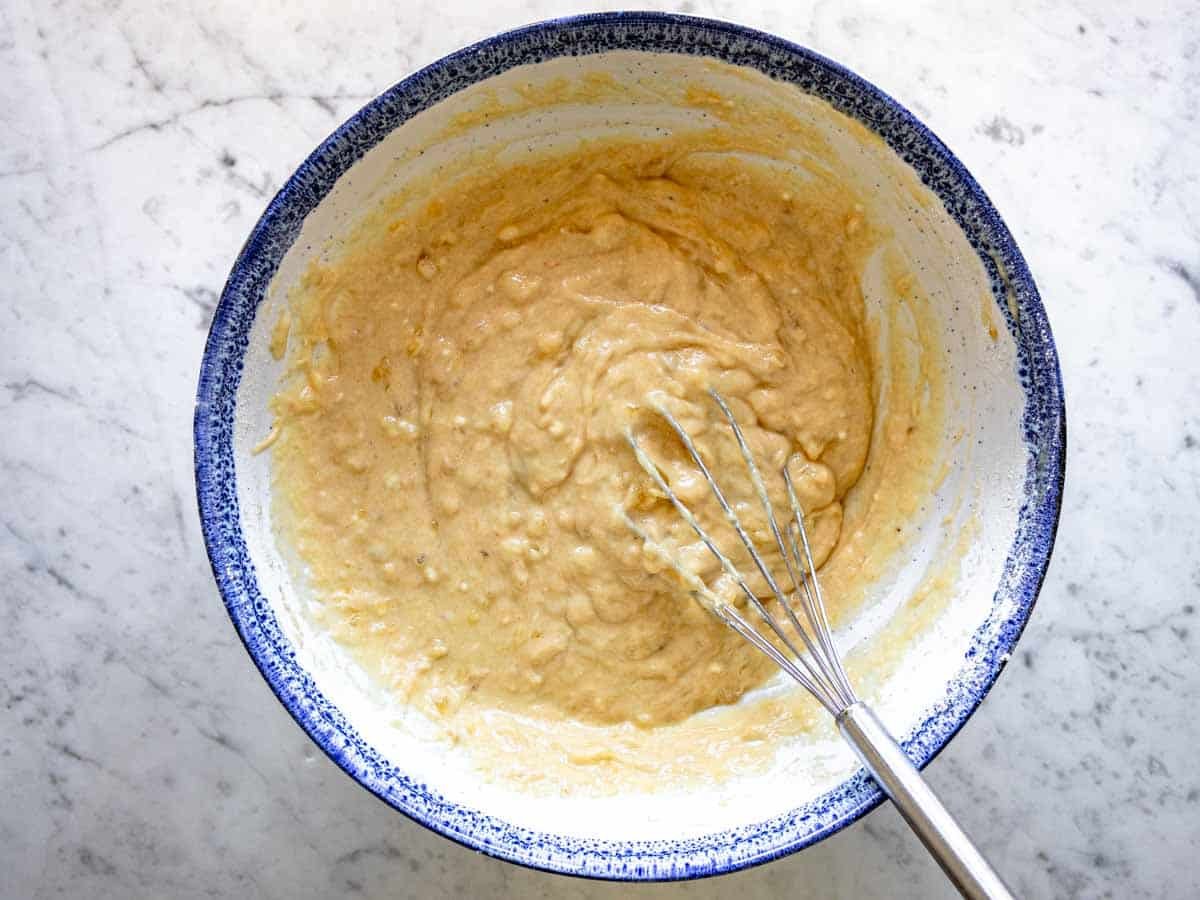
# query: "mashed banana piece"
[[452, 466]]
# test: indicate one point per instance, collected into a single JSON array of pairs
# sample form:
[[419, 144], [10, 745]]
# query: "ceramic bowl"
[[998, 502]]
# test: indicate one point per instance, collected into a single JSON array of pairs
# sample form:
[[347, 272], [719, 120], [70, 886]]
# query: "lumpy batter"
[[452, 467]]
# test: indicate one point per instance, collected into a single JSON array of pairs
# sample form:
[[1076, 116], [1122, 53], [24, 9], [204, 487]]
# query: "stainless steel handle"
[[902, 782]]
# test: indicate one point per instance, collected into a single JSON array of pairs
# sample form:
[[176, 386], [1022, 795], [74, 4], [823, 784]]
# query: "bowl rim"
[[1044, 424]]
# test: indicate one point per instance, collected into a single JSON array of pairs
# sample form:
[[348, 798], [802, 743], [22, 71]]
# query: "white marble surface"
[[140, 753]]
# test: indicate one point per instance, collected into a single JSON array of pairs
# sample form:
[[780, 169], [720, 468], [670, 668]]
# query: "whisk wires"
[[804, 651]]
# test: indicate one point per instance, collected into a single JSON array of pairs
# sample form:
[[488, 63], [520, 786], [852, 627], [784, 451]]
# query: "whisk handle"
[[902, 782]]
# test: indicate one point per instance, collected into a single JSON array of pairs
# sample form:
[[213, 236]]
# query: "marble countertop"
[[141, 755]]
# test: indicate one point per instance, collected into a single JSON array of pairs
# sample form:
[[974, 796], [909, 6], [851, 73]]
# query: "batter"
[[452, 469]]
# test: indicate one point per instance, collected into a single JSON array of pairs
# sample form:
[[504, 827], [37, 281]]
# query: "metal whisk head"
[[804, 649]]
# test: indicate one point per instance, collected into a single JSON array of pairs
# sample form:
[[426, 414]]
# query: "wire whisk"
[[804, 648]]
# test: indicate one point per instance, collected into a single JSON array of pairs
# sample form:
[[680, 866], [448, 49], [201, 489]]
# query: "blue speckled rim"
[[1044, 425]]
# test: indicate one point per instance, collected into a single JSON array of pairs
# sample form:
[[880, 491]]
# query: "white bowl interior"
[[964, 535]]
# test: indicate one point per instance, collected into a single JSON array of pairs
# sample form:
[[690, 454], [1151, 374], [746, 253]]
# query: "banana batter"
[[452, 467]]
